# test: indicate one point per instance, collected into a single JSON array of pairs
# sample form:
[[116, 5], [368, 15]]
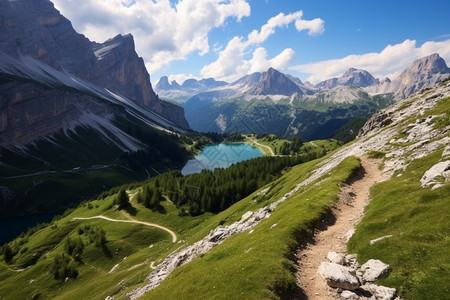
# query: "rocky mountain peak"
[[429, 64], [39, 44], [163, 83], [423, 73], [274, 82], [353, 76]]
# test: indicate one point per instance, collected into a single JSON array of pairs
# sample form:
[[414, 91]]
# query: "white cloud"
[[314, 27], [163, 32], [389, 62], [259, 63], [232, 64]]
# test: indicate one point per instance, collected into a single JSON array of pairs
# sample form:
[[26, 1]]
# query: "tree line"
[[218, 189]]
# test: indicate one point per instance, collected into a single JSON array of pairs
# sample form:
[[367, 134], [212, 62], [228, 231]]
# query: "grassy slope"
[[133, 242], [275, 142], [418, 219], [257, 265]]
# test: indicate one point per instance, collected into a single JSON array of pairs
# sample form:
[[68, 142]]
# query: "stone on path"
[[338, 276]]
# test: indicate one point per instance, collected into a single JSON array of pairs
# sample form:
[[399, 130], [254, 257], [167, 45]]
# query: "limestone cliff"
[[38, 44]]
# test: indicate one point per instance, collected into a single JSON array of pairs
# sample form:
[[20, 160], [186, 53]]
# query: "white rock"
[[337, 258], [440, 171], [380, 238], [338, 276], [374, 269], [347, 295], [380, 292]]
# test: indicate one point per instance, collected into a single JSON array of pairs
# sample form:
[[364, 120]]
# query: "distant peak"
[[432, 63]]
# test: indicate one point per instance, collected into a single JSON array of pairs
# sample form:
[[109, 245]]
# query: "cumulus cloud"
[[232, 64], [388, 63], [314, 27], [260, 63], [163, 32]]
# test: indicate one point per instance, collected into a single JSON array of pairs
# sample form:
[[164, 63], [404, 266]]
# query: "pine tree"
[[122, 199]]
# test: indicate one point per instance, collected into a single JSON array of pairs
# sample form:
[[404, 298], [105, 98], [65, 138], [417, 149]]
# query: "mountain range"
[[68, 103], [280, 103]]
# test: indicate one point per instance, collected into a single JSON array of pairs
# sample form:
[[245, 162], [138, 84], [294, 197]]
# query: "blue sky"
[[227, 39]]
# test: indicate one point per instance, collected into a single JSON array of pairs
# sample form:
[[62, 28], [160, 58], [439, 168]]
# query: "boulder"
[[380, 292], [338, 276], [374, 269], [337, 258], [347, 295], [436, 175]]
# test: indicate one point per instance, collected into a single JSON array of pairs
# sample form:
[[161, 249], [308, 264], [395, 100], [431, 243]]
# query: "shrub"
[[64, 267]]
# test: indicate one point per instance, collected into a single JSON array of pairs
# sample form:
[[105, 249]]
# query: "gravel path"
[[348, 211]]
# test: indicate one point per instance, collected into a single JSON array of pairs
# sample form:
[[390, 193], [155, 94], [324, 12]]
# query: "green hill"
[[253, 257]]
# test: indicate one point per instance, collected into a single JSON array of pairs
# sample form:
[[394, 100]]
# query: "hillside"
[[247, 251]]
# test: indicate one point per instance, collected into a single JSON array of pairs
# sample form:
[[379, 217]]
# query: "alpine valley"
[[350, 199], [282, 104]]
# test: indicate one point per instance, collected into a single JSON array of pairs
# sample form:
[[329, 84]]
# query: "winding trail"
[[261, 145], [173, 234], [347, 212]]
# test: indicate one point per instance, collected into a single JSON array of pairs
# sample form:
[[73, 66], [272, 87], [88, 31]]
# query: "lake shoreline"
[[221, 155]]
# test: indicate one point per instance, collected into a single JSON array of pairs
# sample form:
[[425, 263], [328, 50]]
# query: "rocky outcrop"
[[183, 256], [437, 175], [353, 281]]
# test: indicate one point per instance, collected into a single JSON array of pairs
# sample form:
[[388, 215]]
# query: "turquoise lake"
[[220, 156]]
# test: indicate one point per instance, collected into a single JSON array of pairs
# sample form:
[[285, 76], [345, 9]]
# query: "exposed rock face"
[[273, 82], [423, 73], [356, 77], [33, 33], [23, 117]]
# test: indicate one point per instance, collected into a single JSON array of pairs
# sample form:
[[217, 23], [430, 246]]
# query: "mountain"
[[356, 77], [273, 102], [394, 180], [43, 38], [67, 102], [425, 72], [180, 93], [274, 82]]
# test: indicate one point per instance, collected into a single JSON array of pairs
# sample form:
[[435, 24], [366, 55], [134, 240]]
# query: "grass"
[[134, 247], [257, 265], [275, 142], [418, 250]]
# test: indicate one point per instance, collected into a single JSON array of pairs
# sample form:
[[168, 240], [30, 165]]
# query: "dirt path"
[[261, 145], [348, 211], [174, 236]]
